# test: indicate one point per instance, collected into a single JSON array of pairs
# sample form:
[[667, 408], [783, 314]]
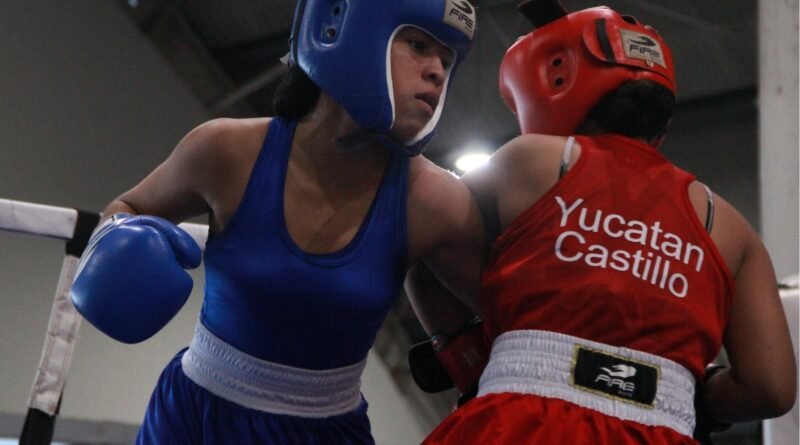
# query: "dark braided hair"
[[296, 94], [637, 109]]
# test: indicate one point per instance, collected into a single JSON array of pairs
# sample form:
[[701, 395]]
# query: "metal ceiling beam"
[[645, 5], [680, 17], [240, 93], [484, 4], [184, 49]]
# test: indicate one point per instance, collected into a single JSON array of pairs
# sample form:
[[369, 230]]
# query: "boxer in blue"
[[314, 216]]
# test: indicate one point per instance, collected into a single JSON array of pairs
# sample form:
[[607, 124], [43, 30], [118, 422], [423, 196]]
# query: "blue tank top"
[[268, 298]]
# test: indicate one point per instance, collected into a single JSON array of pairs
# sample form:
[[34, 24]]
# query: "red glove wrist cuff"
[[464, 355]]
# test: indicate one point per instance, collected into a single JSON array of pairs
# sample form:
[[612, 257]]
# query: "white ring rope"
[[62, 328], [59, 344], [59, 222], [37, 219]]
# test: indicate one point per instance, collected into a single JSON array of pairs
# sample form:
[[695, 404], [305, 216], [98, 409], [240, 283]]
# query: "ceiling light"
[[470, 161]]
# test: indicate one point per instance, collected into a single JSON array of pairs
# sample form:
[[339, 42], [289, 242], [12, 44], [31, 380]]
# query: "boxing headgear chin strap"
[[344, 47], [553, 77]]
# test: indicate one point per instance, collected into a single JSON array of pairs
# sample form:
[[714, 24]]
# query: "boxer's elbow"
[[773, 397], [780, 399], [782, 389]]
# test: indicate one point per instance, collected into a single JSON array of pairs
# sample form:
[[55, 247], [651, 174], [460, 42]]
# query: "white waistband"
[[542, 363], [271, 387]]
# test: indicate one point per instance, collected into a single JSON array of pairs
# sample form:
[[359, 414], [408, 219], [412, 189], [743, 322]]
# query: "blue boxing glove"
[[131, 281]]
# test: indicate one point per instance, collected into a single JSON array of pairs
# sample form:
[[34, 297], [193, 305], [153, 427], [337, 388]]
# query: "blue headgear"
[[344, 47]]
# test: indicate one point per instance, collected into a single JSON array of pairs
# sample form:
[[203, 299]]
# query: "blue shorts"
[[182, 412]]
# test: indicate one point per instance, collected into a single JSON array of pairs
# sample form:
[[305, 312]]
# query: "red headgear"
[[552, 77]]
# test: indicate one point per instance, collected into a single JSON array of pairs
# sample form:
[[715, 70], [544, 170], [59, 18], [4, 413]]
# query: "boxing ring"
[[74, 227]]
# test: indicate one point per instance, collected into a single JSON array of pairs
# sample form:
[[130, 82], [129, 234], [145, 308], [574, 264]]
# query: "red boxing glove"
[[463, 354]]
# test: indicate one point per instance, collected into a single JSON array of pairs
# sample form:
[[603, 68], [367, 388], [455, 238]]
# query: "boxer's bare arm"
[[517, 175], [446, 237], [762, 379], [175, 188], [449, 266], [205, 170]]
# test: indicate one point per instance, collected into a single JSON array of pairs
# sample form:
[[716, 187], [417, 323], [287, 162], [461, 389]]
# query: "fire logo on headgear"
[[460, 15], [640, 46]]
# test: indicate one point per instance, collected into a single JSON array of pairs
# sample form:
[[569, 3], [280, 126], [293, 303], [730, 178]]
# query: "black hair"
[[296, 95], [637, 109]]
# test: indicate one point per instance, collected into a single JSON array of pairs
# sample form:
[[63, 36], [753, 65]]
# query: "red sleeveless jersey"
[[613, 253]]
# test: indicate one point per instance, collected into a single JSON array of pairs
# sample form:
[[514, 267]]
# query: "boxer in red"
[[616, 277]]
